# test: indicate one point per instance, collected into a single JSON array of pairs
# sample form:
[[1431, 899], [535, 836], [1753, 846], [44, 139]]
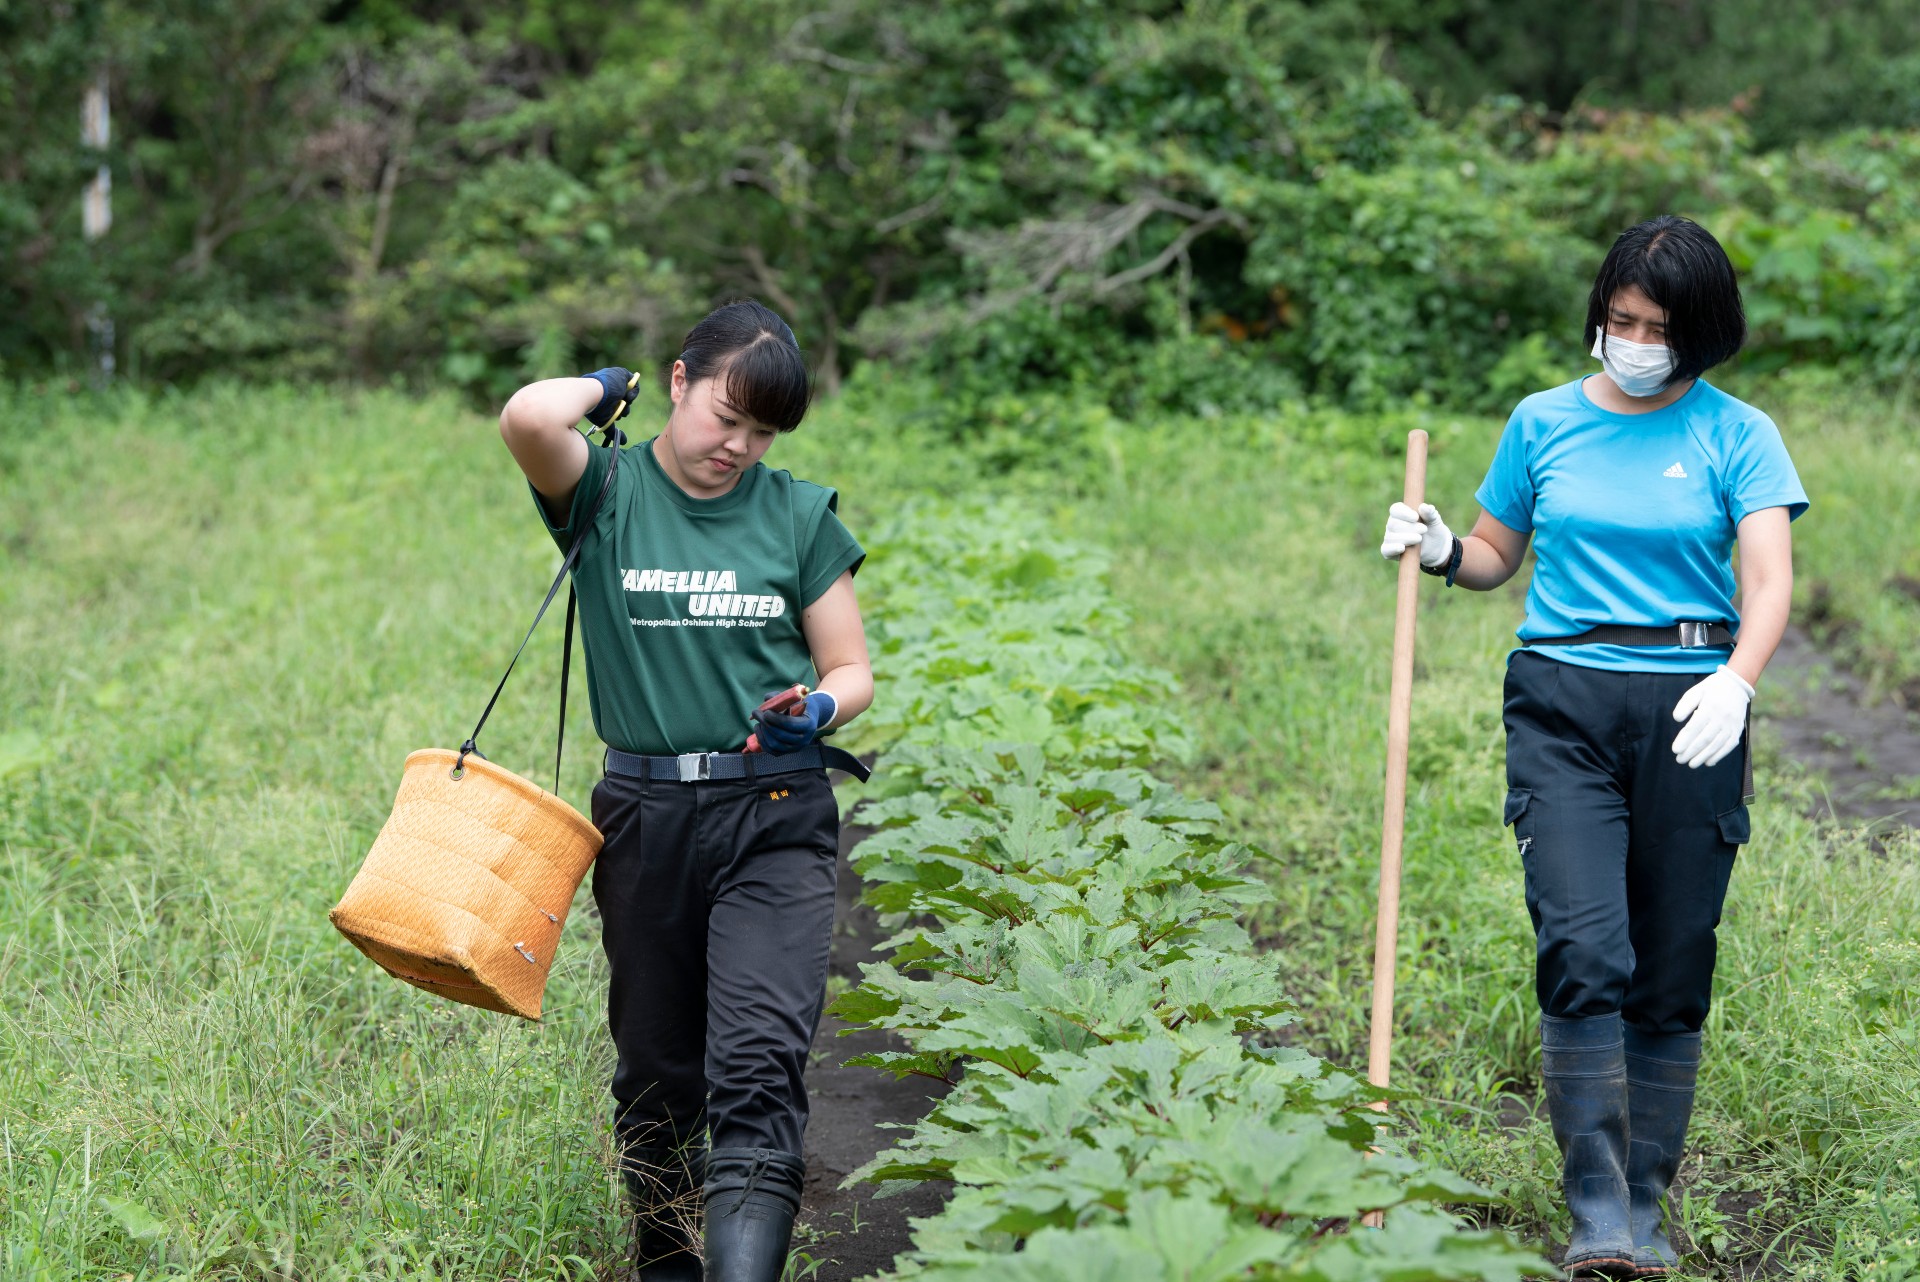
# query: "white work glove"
[[1715, 711], [1406, 528]]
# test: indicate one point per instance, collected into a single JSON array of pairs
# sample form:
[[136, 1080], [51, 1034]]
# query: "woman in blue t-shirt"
[[1627, 703]]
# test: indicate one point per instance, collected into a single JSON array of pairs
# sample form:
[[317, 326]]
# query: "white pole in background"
[[96, 209]]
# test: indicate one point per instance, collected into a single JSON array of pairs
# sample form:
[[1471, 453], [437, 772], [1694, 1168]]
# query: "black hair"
[[1679, 265], [754, 352]]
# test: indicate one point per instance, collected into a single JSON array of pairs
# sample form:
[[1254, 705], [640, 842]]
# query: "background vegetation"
[[1173, 277], [1181, 206]]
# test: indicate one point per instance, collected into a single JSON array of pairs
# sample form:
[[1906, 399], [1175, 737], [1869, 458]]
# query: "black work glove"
[[618, 388]]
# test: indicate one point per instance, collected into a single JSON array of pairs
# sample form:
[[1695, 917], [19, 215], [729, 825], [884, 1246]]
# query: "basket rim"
[[558, 806]]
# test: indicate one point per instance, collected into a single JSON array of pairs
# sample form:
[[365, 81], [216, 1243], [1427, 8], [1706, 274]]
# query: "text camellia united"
[[710, 593]]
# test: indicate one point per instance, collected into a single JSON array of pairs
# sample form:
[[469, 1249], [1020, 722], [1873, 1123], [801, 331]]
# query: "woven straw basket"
[[468, 884]]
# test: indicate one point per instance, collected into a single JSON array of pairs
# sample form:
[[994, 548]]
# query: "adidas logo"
[[1676, 471]]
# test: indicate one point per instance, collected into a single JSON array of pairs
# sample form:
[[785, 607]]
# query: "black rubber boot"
[[1660, 1075], [752, 1196], [663, 1186], [1583, 1064]]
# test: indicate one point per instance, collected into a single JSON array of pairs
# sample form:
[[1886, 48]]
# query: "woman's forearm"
[[851, 685], [1763, 621]]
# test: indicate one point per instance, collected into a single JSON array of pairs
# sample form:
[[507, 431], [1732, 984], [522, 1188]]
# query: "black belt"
[[691, 767], [1687, 636]]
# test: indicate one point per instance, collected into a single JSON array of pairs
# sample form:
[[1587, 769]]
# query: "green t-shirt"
[[690, 608]]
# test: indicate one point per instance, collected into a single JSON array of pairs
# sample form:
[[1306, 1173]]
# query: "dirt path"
[[1869, 755], [855, 1233]]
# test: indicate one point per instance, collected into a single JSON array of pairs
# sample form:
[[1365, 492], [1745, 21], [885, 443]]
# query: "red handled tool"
[[790, 702]]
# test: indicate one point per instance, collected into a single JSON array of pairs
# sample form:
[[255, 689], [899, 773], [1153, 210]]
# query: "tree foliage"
[[1207, 205], [1803, 67]]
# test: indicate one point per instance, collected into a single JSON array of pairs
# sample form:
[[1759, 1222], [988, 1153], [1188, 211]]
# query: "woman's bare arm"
[[538, 426], [1766, 590], [837, 640], [1490, 555]]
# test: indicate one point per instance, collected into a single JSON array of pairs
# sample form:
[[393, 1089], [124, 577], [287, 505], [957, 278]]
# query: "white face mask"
[[1638, 369]]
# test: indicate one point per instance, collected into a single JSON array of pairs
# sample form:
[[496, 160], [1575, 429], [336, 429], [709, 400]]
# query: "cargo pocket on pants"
[[1518, 799], [1736, 825]]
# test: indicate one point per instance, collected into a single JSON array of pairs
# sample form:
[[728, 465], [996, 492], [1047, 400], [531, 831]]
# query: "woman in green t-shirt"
[[707, 580]]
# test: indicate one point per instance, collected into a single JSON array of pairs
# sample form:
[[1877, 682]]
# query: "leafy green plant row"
[[1070, 956]]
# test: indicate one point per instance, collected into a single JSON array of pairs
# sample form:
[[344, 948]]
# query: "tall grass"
[[1248, 553], [224, 621], [1859, 572]]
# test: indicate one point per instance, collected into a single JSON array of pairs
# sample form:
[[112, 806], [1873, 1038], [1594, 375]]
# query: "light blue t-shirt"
[[1633, 515]]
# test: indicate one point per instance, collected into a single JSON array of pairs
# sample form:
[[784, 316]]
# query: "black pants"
[[716, 912], [1627, 851]]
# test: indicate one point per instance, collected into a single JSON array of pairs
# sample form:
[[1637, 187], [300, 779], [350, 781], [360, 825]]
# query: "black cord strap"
[[566, 662], [614, 439]]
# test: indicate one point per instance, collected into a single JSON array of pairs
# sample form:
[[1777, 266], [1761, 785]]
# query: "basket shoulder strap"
[[615, 437], [566, 662]]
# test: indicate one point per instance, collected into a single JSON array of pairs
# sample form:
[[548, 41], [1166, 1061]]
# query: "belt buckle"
[[695, 766], [1694, 636]]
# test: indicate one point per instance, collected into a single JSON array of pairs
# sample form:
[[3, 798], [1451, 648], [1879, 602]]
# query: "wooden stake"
[[1393, 822]]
